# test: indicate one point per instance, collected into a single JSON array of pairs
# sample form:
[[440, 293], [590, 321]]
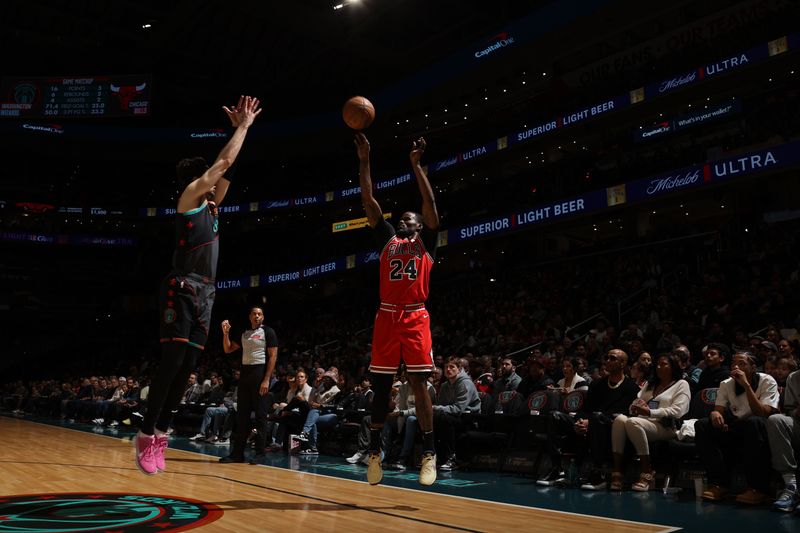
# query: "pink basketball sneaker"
[[162, 441], [145, 446]]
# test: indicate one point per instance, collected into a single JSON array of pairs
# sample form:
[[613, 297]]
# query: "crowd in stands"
[[724, 325]]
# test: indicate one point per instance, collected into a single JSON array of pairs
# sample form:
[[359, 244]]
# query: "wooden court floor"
[[42, 459]]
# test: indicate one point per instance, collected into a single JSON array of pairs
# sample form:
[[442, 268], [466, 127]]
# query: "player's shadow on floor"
[[246, 505]]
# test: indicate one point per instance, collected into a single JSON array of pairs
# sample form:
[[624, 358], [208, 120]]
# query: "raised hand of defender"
[[417, 149], [226, 327], [362, 146], [244, 112]]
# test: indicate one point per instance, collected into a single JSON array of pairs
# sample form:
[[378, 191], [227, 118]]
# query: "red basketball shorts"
[[402, 333]]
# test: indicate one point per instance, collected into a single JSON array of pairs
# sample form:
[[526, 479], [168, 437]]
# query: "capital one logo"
[[126, 93], [50, 128], [501, 40]]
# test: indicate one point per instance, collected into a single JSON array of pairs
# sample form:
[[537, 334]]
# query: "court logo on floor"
[[103, 511]]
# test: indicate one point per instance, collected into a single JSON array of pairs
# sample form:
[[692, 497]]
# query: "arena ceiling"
[[300, 56], [303, 58]]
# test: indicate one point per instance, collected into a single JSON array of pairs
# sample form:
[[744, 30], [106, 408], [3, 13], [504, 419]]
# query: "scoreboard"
[[78, 97]]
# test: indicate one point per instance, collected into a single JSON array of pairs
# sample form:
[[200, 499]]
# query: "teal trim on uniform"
[[195, 345], [195, 210]]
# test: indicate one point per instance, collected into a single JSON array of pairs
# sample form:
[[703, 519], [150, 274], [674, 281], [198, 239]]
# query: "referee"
[[259, 352]]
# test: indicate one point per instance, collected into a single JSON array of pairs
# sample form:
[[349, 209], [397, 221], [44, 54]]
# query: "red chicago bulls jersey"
[[405, 266]]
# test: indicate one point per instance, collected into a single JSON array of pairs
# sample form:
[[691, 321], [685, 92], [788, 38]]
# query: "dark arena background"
[[609, 175]]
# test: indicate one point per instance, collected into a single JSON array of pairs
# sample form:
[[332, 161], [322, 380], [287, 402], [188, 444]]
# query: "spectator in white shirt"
[[654, 415], [738, 425]]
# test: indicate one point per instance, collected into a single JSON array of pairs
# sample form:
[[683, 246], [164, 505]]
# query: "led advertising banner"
[[356, 223], [710, 114], [677, 181], [70, 240]]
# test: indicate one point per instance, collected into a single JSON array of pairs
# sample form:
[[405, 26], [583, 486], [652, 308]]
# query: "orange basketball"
[[358, 113]]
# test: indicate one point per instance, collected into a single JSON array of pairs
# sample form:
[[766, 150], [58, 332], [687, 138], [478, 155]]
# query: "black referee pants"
[[248, 401]]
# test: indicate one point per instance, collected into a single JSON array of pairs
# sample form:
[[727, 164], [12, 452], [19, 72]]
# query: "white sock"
[[789, 479]]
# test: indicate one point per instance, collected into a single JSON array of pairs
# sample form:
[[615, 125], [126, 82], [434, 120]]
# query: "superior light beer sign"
[[347, 225]]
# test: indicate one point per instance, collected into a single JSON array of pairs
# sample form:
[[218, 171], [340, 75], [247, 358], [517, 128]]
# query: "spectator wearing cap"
[[755, 343], [737, 428], [716, 356], [322, 395], [536, 379], [484, 380], [509, 380], [552, 368], [773, 336], [766, 349]]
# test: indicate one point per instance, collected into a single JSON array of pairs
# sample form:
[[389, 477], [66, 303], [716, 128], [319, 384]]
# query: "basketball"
[[358, 113]]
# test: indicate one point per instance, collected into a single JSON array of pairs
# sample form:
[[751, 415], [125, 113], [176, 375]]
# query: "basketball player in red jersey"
[[402, 325]]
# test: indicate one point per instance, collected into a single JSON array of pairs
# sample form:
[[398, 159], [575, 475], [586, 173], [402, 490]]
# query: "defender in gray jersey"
[[259, 352], [187, 293]]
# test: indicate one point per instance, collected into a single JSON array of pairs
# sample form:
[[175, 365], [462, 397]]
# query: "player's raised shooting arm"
[[371, 206], [430, 216], [242, 117], [222, 190], [225, 182]]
